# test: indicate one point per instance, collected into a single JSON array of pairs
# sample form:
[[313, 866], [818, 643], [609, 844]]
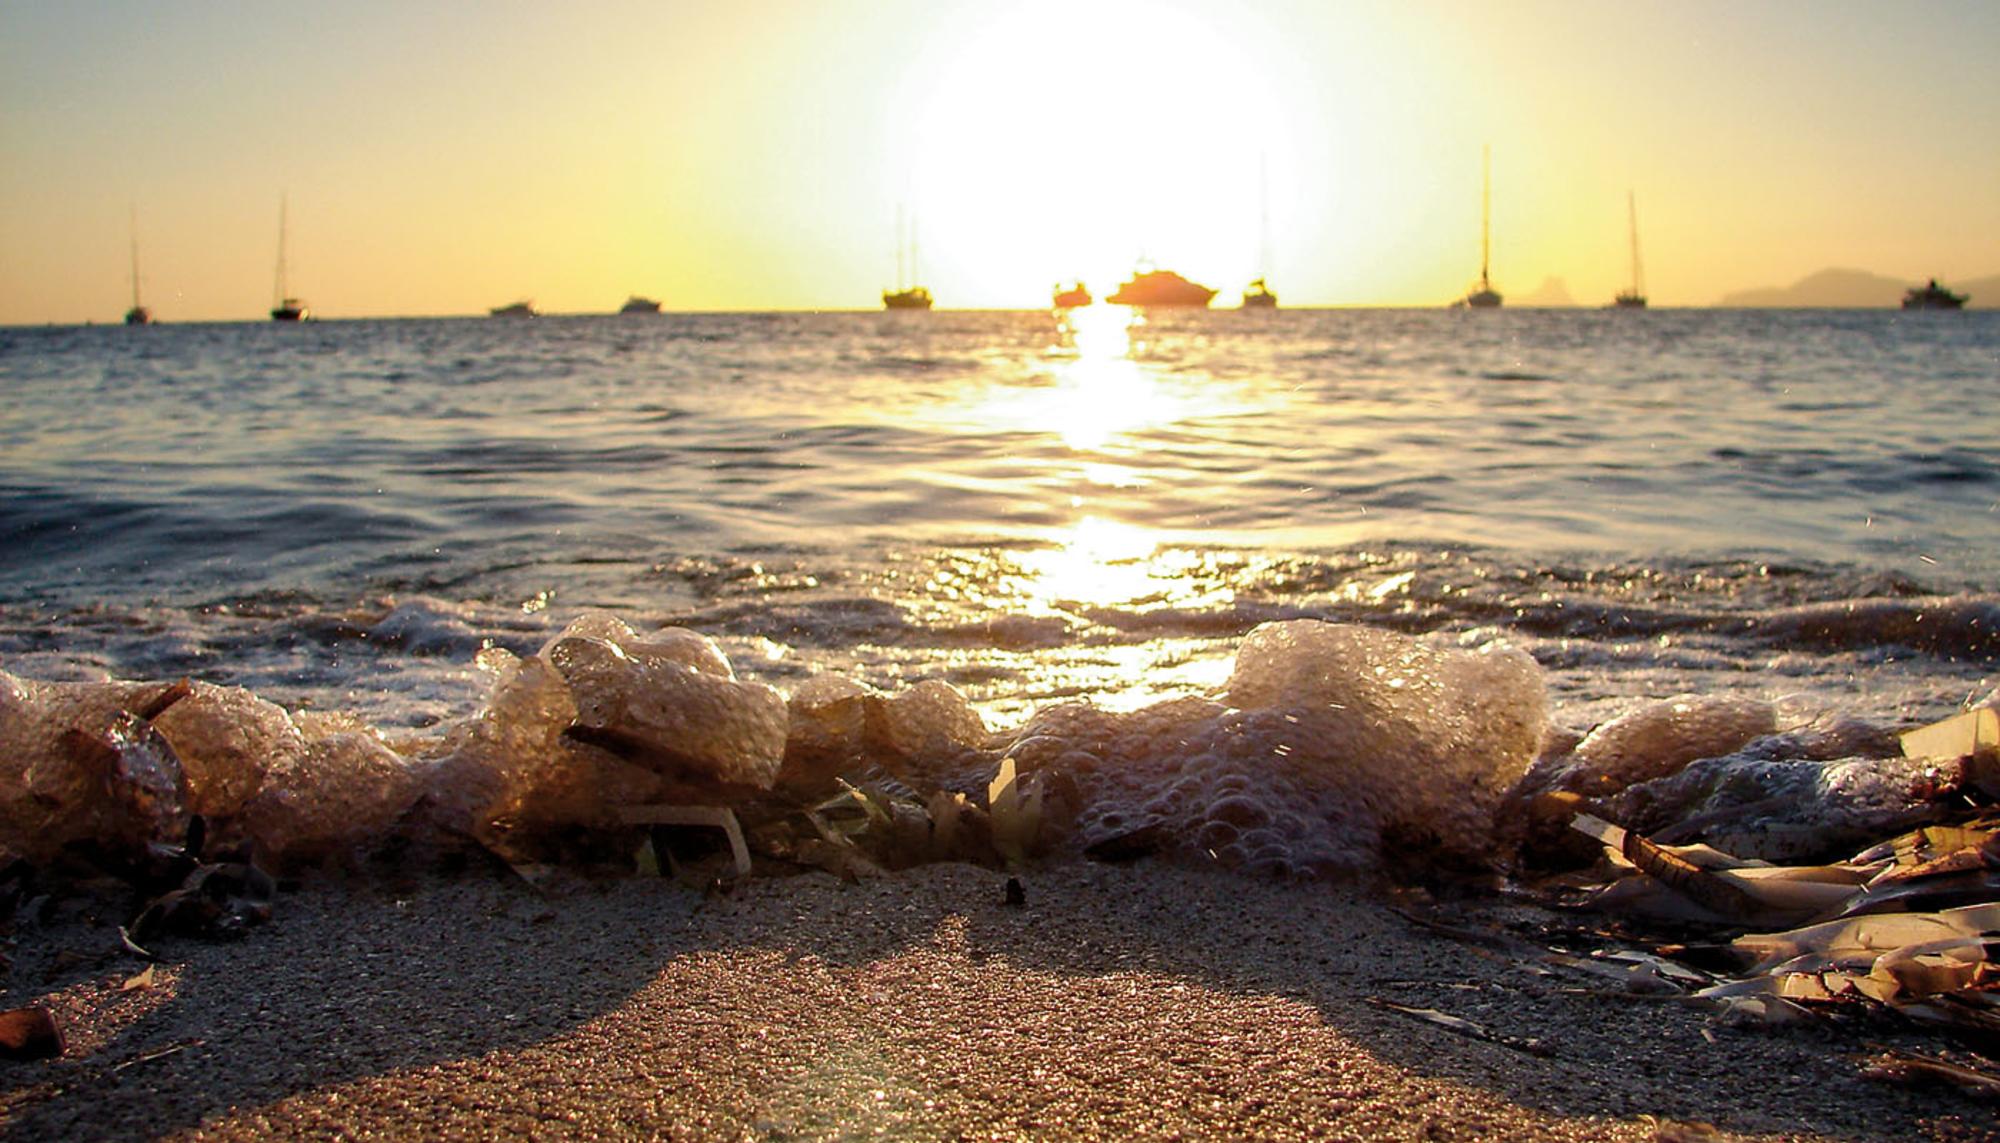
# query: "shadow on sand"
[[919, 1003]]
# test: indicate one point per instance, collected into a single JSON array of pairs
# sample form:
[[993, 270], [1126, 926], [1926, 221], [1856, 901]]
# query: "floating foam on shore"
[[1330, 749]]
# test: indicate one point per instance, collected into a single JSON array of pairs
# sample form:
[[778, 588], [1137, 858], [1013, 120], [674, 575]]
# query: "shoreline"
[[1119, 1002]]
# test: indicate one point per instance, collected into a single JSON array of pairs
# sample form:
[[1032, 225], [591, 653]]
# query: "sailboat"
[[914, 298], [284, 307], [1257, 295], [1635, 297], [1485, 297], [905, 296], [138, 314]]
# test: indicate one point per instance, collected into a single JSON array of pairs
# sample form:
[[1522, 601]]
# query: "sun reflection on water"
[[1100, 394], [1097, 561], [1087, 460], [1099, 569], [1103, 392], [1093, 391], [1100, 332]]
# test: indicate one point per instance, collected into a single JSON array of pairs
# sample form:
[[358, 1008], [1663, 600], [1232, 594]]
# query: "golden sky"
[[443, 158]]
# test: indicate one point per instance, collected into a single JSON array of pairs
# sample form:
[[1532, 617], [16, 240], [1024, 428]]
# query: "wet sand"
[[1119, 1002]]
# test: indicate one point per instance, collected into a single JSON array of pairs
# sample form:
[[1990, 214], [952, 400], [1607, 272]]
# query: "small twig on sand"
[[1464, 1027], [157, 1053]]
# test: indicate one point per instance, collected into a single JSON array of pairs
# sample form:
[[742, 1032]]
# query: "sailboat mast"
[[902, 245], [135, 258], [1485, 209], [1638, 274], [278, 300], [1264, 217]]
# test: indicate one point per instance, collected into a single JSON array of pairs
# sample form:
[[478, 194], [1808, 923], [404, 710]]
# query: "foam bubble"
[[228, 739], [1333, 743], [339, 790], [75, 763], [1659, 738], [702, 724]]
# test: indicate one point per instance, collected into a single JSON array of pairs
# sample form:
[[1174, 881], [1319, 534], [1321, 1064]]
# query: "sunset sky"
[[443, 158]]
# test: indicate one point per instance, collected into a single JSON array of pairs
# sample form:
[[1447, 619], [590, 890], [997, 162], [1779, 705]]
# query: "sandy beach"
[[1142, 1001]]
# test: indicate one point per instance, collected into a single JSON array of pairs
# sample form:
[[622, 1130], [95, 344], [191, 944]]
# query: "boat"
[[1258, 296], [906, 296], [1072, 297], [1633, 298], [1484, 296], [520, 309], [638, 305], [914, 298], [138, 314], [1933, 297], [1157, 288], [284, 307]]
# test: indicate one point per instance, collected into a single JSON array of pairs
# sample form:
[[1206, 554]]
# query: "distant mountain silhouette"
[[1552, 292], [1855, 289]]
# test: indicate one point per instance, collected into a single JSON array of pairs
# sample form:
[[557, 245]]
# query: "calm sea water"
[[341, 514]]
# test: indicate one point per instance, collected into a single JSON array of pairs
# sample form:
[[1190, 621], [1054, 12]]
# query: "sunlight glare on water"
[[1103, 392], [1097, 561], [1101, 395], [1096, 391]]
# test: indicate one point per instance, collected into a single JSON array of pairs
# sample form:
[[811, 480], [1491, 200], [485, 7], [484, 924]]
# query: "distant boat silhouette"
[[906, 296], [914, 298], [1635, 297], [638, 305], [1484, 297], [138, 314], [1257, 295], [520, 309], [1071, 298], [1933, 297], [284, 307], [1159, 288]]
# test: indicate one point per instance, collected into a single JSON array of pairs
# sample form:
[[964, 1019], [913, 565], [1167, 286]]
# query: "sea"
[[1800, 506]]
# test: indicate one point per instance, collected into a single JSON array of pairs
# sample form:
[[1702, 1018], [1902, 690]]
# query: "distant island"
[[1855, 289], [1552, 292]]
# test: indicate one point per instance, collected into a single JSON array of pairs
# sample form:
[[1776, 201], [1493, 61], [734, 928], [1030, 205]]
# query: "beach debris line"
[[1331, 750], [715, 817], [218, 895], [1803, 868], [1806, 794], [1329, 746], [1908, 927]]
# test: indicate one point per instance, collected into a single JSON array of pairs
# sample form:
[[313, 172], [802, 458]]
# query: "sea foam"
[[1328, 743], [1331, 749]]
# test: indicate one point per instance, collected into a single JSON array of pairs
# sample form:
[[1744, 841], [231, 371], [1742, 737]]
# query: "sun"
[[1070, 140]]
